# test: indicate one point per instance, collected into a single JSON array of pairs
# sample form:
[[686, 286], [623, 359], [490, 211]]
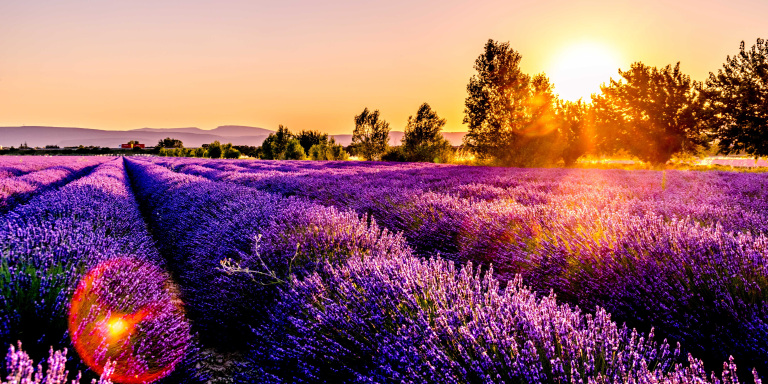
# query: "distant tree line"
[[652, 113], [175, 148], [281, 145], [312, 145]]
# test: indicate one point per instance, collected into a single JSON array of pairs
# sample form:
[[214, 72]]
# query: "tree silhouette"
[[215, 150], [371, 135], [293, 151], [510, 115], [495, 106], [576, 122], [424, 129], [275, 145], [652, 113], [169, 143], [422, 140], [309, 138], [738, 101]]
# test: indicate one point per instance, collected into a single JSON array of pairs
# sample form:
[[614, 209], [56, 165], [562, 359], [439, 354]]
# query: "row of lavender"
[[352, 304], [22, 178], [50, 243], [202, 223], [11, 166], [309, 326], [685, 252], [737, 201]]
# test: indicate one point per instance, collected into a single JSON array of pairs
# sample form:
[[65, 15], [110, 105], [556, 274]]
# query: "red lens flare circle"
[[128, 312]]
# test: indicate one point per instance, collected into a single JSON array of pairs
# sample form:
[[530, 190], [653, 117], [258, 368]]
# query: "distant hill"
[[224, 130], [455, 138], [240, 130], [36, 136]]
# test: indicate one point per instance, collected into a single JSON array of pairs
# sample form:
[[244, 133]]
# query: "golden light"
[[118, 328], [578, 71]]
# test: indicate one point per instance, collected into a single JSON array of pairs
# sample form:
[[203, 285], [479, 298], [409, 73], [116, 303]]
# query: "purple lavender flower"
[[684, 252], [21, 369]]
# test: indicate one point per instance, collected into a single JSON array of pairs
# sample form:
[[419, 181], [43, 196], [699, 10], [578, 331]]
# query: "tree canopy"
[[422, 140], [293, 151], [274, 146], [737, 101], [282, 145], [650, 112], [328, 150], [576, 124], [309, 138], [494, 107], [423, 129], [231, 153], [371, 135], [215, 150], [169, 143], [510, 115]]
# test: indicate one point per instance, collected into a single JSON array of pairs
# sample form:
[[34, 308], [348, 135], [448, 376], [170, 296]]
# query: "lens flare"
[[118, 328], [128, 312]]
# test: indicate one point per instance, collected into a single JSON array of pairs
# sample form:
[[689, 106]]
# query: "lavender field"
[[180, 270]]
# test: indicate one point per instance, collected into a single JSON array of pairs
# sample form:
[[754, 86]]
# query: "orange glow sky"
[[315, 64]]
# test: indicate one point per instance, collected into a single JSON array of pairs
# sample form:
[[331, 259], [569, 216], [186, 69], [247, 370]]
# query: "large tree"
[[576, 124], [309, 138], [537, 142], [510, 114], [169, 143], [650, 112], [423, 129], [215, 150], [231, 153], [327, 150], [422, 140], [275, 145], [293, 151], [495, 106], [371, 135], [738, 101]]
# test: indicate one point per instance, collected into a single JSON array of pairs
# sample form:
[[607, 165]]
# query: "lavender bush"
[[19, 165], [682, 251], [50, 243], [357, 272], [21, 369], [402, 319], [128, 312], [15, 190], [194, 216]]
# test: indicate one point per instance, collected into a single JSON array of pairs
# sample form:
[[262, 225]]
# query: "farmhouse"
[[131, 145]]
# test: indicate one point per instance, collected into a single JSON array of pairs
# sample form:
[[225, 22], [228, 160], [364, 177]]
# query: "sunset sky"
[[315, 64]]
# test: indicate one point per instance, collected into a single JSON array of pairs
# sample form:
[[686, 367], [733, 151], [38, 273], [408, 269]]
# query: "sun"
[[578, 71]]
